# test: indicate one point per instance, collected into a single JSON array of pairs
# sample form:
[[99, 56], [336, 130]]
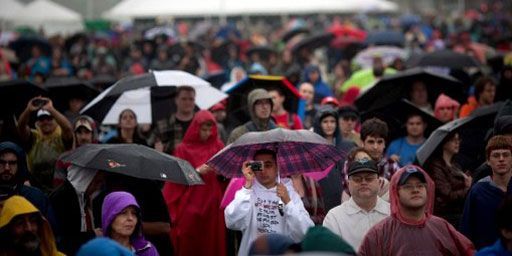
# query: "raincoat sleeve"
[[238, 213], [297, 218], [372, 244]]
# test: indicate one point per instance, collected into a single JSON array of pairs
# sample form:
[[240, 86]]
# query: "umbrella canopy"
[[15, 94], [62, 89], [391, 38], [364, 59], [313, 42], [263, 51], [23, 46], [298, 151], [396, 114], [394, 87], [446, 58], [237, 104], [471, 128], [134, 160], [147, 93], [293, 32], [9, 9]]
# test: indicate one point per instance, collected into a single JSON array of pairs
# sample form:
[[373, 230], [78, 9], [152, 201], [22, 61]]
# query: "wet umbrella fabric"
[[15, 94], [394, 87], [313, 42], [388, 54], [134, 160], [23, 47], [61, 89], [391, 38], [446, 58], [300, 151]]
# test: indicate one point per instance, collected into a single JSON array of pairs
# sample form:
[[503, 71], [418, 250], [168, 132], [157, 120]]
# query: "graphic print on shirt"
[[267, 216]]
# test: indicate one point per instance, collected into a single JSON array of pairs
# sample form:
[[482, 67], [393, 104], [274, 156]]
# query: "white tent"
[[130, 9], [7, 10], [52, 17]]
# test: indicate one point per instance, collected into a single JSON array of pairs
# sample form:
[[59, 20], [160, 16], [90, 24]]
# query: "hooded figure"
[[15, 185], [15, 207], [313, 75], [446, 108], [194, 210], [256, 123], [331, 184], [113, 205], [399, 235]]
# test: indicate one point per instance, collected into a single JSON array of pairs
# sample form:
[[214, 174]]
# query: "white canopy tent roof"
[[130, 9], [8, 8], [52, 17]]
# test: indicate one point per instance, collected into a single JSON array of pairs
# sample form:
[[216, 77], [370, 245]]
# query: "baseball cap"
[[330, 100], [218, 106], [83, 123], [43, 113], [411, 171], [362, 165]]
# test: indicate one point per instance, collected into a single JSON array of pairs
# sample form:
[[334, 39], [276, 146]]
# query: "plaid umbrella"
[[299, 151]]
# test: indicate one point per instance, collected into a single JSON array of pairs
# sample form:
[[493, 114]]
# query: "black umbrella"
[[396, 114], [103, 81], [23, 47], [217, 79], [264, 52], [15, 94], [237, 103], [292, 33], [62, 89], [394, 87], [448, 59], [134, 160], [394, 38], [472, 130], [313, 42], [70, 41]]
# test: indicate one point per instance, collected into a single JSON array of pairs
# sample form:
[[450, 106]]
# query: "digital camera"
[[256, 166]]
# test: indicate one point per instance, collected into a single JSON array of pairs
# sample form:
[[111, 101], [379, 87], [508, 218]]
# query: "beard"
[[28, 242]]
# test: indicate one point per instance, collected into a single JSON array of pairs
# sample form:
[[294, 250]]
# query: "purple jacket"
[[114, 204]]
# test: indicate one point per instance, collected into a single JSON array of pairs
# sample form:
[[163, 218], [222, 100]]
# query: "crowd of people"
[[380, 199]]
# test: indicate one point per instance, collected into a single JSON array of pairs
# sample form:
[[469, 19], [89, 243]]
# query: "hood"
[[192, 135], [255, 95], [17, 205], [503, 125], [102, 246], [22, 173], [393, 195], [194, 150], [308, 70], [323, 112], [113, 204], [445, 101]]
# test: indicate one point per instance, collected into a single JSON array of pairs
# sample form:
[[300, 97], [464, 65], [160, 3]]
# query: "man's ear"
[[506, 233]]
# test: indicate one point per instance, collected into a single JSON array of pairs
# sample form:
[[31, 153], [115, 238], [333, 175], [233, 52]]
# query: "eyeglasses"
[[359, 179], [10, 162], [411, 187], [506, 154]]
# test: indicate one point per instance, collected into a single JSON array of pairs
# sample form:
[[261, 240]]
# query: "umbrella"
[[263, 51], [149, 95], [237, 104], [480, 120], [447, 58], [396, 114], [134, 160], [103, 81], [313, 42], [298, 151], [393, 38], [15, 94], [62, 89], [292, 33], [364, 58], [151, 33], [394, 87], [23, 47], [68, 44]]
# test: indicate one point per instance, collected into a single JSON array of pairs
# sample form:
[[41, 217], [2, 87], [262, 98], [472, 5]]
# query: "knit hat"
[[321, 239]]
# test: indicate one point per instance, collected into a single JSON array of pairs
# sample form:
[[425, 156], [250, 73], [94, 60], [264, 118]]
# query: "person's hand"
[[49, 104], [248, 174], [203, 169], [30, 105], [468, 180], [282, 193], [395, 157]]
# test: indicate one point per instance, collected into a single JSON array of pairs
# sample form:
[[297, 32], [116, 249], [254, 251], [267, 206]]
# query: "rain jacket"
[[32, 194], [444, 101], [255, 124], [113, 205], [255, 211], [194, 210], [17, 205], [478, 221], [397, 235], [322, 89], [331, 184]]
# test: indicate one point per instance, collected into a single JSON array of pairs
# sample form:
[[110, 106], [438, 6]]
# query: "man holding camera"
[[53, 135], [264, 205]]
